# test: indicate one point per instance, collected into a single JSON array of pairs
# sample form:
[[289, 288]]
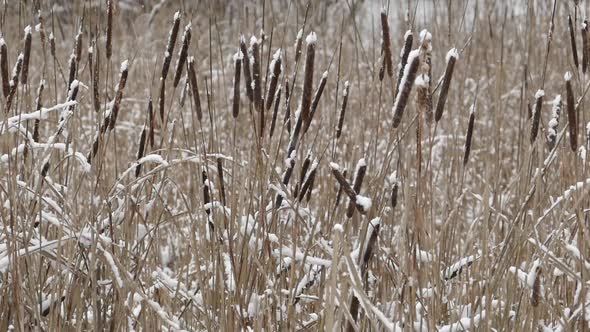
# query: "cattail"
[[95, 81], [221, 181], [172, 35], [359, 175], [186, 40], [27, 54], [339, 194], [287, 119], [40, 28], [275, 112], [78, 45], [246, 66], [342, 109], [469, 136], [570, 26], [194, 87], [537, 114], [554, 122], [183, 92], [140, 150], [256, 86], [536, 295], [426, 67], [52, 44], [4, 67], [275, 70], [72, 66], [387, 60], [298, 45], [150, 111], [290, 164], [310, 186], [406, 86], [452, 56], [408, 39], [119, 94], [45, 169], [311, 40], [571, 112], [588, 136], [206, 194], [363, 204], [39, 104], [14, 82], [238, 58], [109, 43], [303, 172], [585, 47], [308, 183], [316, 99], [394, 191]]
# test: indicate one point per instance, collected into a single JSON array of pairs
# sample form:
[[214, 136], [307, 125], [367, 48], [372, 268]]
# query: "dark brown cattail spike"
[[95, 81], [537, 114], [571, 112], [39, 104], [359, 175], [339, 194], [287, 119], [553, 124], [172, 35], [238, 58], [585, 47], [246, 66], [14, 82], [119, 94], [570, 26], [72, 65], [408, 39], [45, 169], [405, 87], [109, 43], [290, 162], [206, 194], [27, 54], [394, 191], [316, 99], [256, 85], [52, 44], [275, 69], [275, 112], [150, 111], [140, 150], [342, 109], [78, 45], [303, 172], [182, 55], [452, 57], [469, 135], [298, 45], [308, 183], [535, 275], [4, 68], [194, 87], [311, 40], [162, 99], [387, 59], [363, 204], [221, 181]]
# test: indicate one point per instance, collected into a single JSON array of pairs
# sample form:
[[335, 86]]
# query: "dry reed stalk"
[[387, 57], [588, 136], [276, 67], [570, 27], [4, 68], [109, 41], [256, 79], [311, 40], [141, 150], [469, 136], [39, 104], [537, 114], [172, 35], [585, 47], [182, 55], [408, 39], [452, 57], [571, 112], [162, 99], [14, 82], [221, 180], [246, 66], [27, 55], [359, 175], [72, 66], [238, 58], [422, 82], [553, 124], [275, 112], [95, 80], [194, 87], [342, 109], [119, 94], [406, 87], [316, 99]]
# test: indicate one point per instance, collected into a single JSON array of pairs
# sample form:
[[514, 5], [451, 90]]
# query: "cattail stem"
[[275, 112], [442, 98], [571, 112]]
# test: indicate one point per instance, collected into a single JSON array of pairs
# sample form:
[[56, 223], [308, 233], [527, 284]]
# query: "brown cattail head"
[[206, 193], [186, 40], [298, 45], [246, 66], [14, 81], [290, 164], [109, 42], [394, 192], [554, 122], [221, 181], [537, 114], [72, 66], [27, 54], [585, 47], [287, 119], [78, 45], [4, 68], [45, 169], [311, 40], [387, 59], [52, 44], [119, 94], [408, 39], [194, 87], [571, 112], [535, 277], [151, 121], [39, 104], [452, 57], [469, 135], [238, 58], [275, 112], [256, 85], [339, 194], [95, 79], [316, 99], [405, 87], [162, 98], [342, 109], [308, 182], [172, 35], [570, 26], [359, 175], [140, 150], [275, 69], [363, 204], [41, 28]]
